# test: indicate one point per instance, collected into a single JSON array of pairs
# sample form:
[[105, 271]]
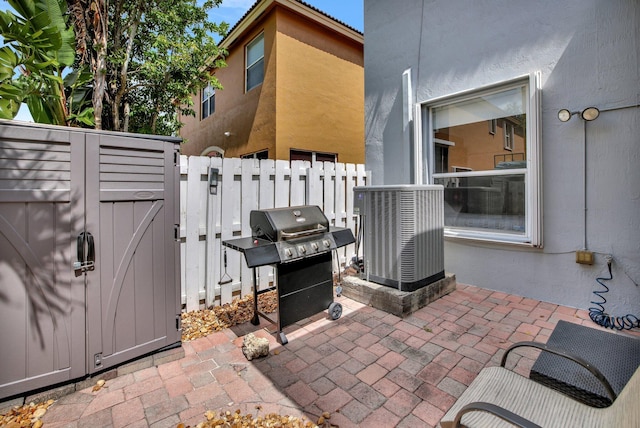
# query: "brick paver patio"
[[367, 369]]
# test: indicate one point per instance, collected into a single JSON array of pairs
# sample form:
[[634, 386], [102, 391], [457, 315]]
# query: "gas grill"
[[298, 242]]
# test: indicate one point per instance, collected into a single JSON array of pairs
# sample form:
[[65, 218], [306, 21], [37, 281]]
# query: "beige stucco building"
[[293, 88]]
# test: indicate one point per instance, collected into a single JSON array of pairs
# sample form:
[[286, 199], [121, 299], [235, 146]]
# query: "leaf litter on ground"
[[201, 323], [27, 415], [270, 420]]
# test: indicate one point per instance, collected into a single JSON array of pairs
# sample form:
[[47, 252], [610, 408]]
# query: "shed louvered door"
[[131, 212], [42, 303]]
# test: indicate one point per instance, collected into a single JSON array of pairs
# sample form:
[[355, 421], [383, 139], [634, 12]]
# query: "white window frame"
[[256, 155], [248, 66], [509, 132], [532, 175], [314, 154], [212, 96], [493, 125]]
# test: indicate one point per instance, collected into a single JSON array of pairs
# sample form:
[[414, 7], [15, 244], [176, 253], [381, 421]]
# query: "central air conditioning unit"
[[403, 234]]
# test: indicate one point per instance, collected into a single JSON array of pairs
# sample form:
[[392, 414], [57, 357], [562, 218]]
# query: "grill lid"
[[278, 224]]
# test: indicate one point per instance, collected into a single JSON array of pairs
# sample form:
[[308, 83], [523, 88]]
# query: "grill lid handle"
[[292, 235]]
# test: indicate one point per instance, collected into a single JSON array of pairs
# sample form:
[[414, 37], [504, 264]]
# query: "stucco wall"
[[588, 54], [249, 117], [320, 91]]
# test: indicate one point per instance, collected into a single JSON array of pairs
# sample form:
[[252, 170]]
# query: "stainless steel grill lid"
[[279, 224]]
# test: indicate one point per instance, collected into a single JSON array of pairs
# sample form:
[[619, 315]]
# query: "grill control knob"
[[287, 252], [326, 242], [302, 249], [314, 246]]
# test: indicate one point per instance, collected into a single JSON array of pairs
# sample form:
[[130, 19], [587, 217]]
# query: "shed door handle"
[[84, 264], [80, 248], [91, 250]]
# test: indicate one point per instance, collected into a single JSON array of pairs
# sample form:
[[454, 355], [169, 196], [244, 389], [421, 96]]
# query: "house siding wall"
[[588, 55]]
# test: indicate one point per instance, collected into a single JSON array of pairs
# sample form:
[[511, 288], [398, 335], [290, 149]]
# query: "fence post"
[[212, 258], [329, 192], [250, 196], [184, 164], [267, 198], [230, 223], [282, 185], [314, 187], [340, 186], [298, 186], [192, 253]]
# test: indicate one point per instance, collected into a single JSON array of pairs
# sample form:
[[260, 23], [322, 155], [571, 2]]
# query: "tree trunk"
[[77, 9], [122, 87], [99, 66], [126, 112], [154, 121], [88, 19]]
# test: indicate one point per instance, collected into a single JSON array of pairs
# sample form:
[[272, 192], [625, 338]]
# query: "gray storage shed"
[[89, 261]]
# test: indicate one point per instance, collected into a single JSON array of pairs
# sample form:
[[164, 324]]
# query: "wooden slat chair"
[[499, 397]]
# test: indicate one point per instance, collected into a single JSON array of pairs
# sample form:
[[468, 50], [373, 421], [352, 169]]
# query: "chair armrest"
[[571, 357], [497, 411]]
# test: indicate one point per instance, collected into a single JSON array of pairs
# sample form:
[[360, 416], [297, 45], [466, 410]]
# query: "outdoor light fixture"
[[588, 114], [564, 115]]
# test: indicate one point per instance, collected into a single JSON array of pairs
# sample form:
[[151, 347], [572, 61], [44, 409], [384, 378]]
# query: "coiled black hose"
[[600, 317]]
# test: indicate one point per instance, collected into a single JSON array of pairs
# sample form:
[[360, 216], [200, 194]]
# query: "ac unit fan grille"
[[404, 234]]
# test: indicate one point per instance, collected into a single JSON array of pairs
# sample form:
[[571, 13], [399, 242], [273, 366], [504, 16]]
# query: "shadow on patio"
[[368, 368]]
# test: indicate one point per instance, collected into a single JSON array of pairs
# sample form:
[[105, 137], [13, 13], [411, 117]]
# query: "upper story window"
[[208, 101], [255, 62], [492, 189]]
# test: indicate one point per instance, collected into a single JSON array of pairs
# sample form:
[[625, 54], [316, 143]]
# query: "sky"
[[351, 12]]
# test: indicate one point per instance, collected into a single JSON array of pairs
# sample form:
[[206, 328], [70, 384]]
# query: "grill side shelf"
[[342, 235], [257, 252]]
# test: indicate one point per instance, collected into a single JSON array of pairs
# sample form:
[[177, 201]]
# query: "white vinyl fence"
[[216, 197]]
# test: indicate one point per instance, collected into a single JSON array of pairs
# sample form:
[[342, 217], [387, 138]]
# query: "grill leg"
[[256, 319]]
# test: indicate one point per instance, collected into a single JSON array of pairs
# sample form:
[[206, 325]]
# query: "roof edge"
[[299, 6]]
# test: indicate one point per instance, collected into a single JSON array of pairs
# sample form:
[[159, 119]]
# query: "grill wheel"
[[335, 310]]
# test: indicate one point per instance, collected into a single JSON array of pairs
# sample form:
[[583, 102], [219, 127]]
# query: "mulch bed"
[[196, 324]]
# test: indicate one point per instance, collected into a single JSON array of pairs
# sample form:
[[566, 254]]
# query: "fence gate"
[[89, 267]]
